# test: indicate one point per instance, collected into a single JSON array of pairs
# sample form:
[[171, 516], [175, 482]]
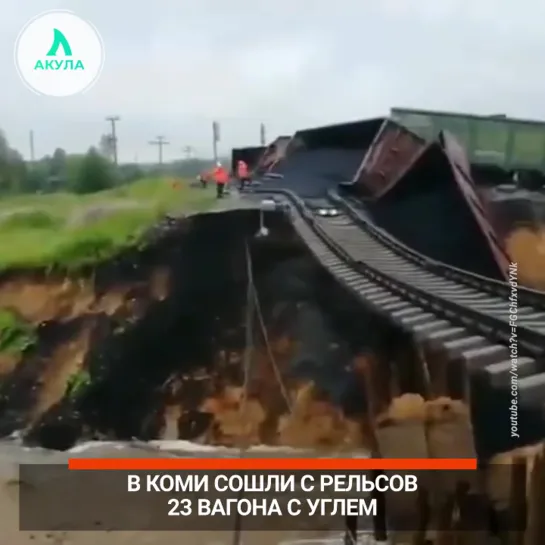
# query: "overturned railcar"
[[271, 155], [319, 158], [424, 195], [354, 135], [392, 152], [348, 141], [250, 156], [496, 145]]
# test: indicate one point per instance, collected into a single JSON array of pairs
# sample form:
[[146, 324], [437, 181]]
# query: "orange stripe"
[[272, 464]]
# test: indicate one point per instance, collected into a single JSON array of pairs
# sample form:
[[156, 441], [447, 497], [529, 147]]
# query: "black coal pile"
[[312, 173]]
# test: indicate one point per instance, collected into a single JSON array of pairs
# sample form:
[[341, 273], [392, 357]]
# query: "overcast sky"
[[172, 66]]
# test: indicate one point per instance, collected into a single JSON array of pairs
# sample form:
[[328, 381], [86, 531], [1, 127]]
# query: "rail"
[[530, 341], [526, 296]]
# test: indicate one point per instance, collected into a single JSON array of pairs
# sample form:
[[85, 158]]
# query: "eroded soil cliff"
[[152, 344], [519, 220]]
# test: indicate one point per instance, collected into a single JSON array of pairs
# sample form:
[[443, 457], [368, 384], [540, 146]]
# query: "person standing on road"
[[243, 174], [221, 177], [203, 178]]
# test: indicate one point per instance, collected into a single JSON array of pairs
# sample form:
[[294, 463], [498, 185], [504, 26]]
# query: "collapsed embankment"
[[151, 344], [519, 219]]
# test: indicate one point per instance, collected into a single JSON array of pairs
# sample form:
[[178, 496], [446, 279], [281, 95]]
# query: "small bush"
[[55, 232], [95, 174], [15, 335], [32, 219], [120, 191], [77, 384]]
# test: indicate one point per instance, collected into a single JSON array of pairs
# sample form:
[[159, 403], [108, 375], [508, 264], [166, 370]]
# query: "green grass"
[[77, 384], [44, 230], [15, 335]]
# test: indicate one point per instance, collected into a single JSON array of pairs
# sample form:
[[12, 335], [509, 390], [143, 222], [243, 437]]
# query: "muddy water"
[[12, 453]]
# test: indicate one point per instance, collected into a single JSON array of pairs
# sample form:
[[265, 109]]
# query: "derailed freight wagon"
[[273, 153], [250, 156], [319, 158], [497, 146]]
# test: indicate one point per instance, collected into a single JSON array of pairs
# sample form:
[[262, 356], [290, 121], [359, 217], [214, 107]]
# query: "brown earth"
[[77, 320], [81, 320], [526, 247], [63, 301]]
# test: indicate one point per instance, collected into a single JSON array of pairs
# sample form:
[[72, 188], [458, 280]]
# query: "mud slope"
[[155, 340], [519, 218]]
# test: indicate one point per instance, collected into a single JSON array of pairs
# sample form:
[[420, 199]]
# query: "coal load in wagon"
[[319, 159], [428, 212]]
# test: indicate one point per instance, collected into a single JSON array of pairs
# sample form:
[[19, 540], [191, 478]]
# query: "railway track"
[[465, 315], [526, 296]]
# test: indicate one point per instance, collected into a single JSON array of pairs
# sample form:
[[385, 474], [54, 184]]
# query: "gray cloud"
[[172, 67]]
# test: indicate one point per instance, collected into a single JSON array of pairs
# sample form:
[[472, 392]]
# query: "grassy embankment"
[[69, 231]]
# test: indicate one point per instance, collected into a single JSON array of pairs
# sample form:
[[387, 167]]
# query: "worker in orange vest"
[[243, 174], [221, 177]]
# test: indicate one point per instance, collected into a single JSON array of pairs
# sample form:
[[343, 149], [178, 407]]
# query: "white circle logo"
[[59, 54]]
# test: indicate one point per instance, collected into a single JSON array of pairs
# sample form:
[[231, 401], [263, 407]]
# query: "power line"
[[113, 119], [160, 142]]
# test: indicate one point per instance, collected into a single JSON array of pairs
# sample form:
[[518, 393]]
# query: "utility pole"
[[216, 139], [31, 137], [113, 119], [262, 135], [160, 142], [188, 152]]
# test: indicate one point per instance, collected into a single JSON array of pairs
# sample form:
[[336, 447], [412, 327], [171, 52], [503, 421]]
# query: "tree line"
[[89, 172]]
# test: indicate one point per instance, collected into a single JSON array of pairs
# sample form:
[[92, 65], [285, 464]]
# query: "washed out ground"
[[155, 299], [53, 322], [45, 238], [519, 219], [62, 326]]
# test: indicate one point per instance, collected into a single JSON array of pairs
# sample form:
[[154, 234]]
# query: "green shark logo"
[[59, 40], [59, 54]]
